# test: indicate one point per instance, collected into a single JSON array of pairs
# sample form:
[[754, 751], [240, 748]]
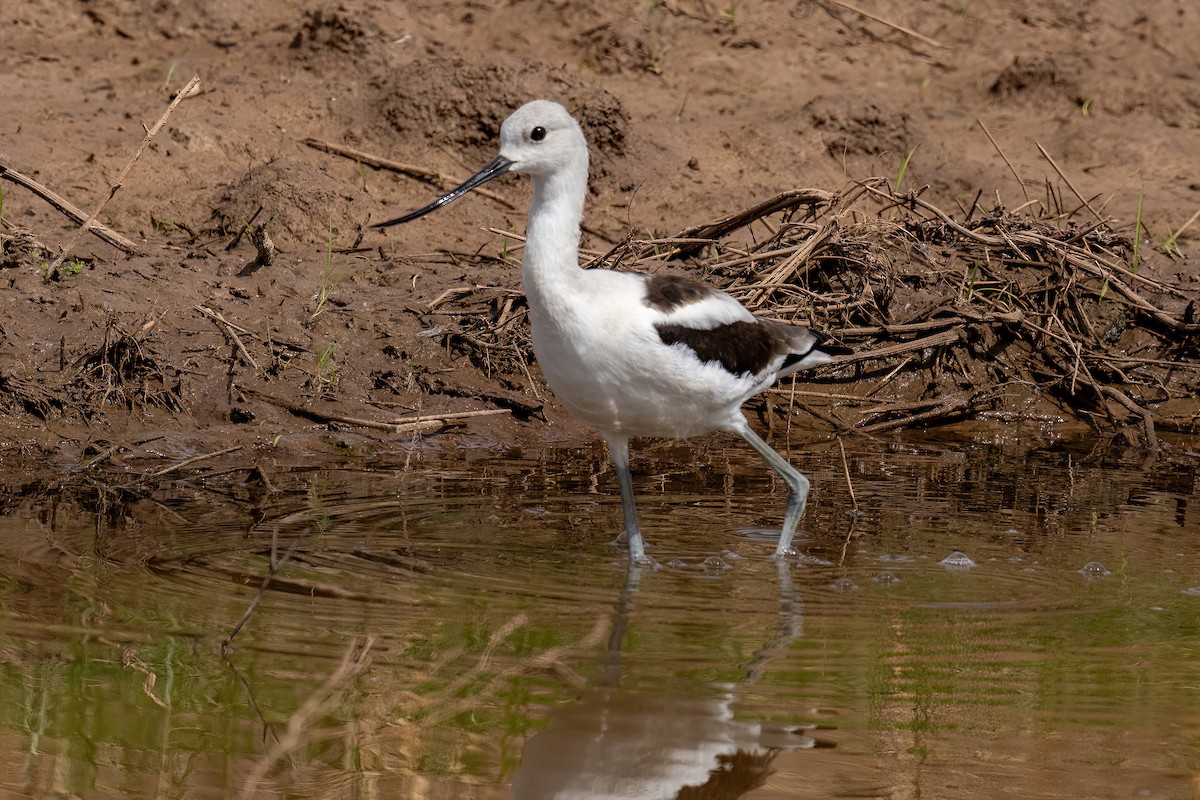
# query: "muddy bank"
[[1025, 259]]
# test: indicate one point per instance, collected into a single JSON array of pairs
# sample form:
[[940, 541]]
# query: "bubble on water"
[[957, 561], [816, 561], [886, 578], [844, 585], [1093, 569], [1011, 532], [1194, 591], [536, 511], [898, 559], [729, 555], [676, 563], [1028, 569], [714, 564], [1015, 559]]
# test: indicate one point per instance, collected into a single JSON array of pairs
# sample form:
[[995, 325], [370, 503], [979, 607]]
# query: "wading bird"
[[630, 354]]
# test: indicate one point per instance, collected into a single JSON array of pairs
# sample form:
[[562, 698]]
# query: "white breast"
[[604, 360]]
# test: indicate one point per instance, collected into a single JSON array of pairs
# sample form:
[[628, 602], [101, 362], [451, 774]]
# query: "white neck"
[[550, 264]]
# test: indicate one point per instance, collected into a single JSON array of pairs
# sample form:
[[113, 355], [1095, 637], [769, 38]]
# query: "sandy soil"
[[693, 109]]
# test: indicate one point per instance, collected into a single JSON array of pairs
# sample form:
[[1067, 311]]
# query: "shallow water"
[[991, 622]]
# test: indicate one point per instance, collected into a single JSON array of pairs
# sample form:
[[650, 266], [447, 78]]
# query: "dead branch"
[[104, 232], [186, 91]]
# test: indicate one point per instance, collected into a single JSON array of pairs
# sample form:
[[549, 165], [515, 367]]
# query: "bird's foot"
[[785, 553], [644, 562]]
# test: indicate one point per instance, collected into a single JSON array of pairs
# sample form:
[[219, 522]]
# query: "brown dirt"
[[694, 110]]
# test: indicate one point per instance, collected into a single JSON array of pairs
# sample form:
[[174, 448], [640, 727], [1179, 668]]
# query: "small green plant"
[[326, 370], [174, 65], [362, 174], [969, 279], [1168, 243], [72, 267], [1135, 260], [42, 264], [331, 279], [903, 168], [651, 8], [682, 107], [654, 63], [730, 15]]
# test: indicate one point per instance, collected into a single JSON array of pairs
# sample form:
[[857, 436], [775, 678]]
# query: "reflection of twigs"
[[187, 90], [268, 730], [131, 661], [319, 703], [550, 660], [846, 470], [274, 568]]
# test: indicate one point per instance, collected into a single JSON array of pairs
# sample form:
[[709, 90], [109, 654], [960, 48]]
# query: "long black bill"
[[495, 169]]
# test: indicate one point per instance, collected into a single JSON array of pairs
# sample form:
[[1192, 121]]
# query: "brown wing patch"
[[739, 347], [666, 293]]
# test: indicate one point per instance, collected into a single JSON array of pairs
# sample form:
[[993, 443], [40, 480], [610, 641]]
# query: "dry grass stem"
[[104, 232], [120, 181]]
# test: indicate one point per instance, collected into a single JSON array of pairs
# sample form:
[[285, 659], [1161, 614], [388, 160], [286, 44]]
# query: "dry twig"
[[116, 187]]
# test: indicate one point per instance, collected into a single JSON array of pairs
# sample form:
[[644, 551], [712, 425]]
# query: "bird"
[[631, 354]]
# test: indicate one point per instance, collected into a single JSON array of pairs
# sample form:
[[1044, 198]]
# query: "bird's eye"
[[538, 133]]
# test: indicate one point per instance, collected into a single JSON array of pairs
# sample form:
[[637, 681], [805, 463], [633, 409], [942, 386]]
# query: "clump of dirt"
[[453, 102], [1042, 78], [298, 205], [335, 31], [859, 124], [614, 47]]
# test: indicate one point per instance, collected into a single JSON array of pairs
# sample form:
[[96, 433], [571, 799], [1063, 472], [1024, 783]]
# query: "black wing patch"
[[739, 347], [669, 292]]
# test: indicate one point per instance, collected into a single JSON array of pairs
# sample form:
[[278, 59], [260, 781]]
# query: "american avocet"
[[630, 354]]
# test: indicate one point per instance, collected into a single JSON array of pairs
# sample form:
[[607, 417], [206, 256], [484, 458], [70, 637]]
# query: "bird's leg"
[[797, 489], [618, 448]]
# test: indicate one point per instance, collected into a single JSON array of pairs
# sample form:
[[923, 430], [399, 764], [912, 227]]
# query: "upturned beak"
[[498, 166]]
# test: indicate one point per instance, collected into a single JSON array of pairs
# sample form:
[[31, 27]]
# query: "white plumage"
[[633, 355]]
